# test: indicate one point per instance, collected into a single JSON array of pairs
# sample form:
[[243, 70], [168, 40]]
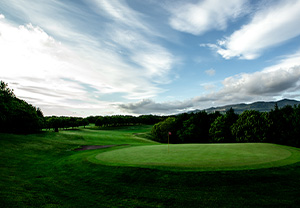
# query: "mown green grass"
[[202, 156], [41, 170]]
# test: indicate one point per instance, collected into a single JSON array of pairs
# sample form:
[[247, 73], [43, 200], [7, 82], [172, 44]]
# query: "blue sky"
[[104, 57]]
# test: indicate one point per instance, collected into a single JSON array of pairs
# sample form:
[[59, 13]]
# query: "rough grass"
[[203, 156], [41, 170]]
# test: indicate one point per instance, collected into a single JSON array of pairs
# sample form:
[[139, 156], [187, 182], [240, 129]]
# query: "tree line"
[[64, 122], [280, 125], [126, 120]]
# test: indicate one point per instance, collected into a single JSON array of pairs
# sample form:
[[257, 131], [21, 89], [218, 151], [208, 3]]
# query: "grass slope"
[[203, 156], [40, 170]]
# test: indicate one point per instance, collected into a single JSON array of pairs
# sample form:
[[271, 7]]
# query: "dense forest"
[[280, 125]]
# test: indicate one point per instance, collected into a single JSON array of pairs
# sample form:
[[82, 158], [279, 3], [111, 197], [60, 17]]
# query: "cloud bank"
[[148, 106], [274, 82]]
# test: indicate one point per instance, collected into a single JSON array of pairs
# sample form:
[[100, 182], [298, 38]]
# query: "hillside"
[[258, 106]]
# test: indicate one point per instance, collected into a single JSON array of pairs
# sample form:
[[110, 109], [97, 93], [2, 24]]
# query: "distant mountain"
[[258, 106]]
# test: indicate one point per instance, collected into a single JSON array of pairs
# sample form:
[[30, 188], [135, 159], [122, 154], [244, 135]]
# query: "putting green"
[[203, 157]]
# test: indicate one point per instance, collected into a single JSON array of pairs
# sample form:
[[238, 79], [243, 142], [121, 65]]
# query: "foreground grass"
[[41, 171]]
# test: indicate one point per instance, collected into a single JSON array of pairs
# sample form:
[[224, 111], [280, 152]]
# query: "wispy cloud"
[[210, 72], [120, 12], [198, 18], [269, 27], [123, 59], [136, 39]]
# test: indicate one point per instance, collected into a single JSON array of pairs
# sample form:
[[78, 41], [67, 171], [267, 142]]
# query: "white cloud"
[[210, 72], [269, 27], [123, 60], [43, 58], [279, 81], [131, 34], [155, 60], [198, 18], [41, 69]]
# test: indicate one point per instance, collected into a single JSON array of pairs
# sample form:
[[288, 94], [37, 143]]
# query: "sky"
[[118, 57]]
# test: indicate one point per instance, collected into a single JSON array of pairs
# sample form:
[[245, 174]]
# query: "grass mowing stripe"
[[203, 156], [115, 136]]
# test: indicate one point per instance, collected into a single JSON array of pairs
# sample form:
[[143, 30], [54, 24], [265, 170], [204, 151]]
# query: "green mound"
[[203, 157]]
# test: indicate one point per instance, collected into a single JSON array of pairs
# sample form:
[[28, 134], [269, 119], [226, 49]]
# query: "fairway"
[[204, 157]]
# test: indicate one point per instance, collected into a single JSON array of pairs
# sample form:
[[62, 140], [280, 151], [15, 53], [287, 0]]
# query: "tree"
[[251, 126], [16, 115], [161, 129], [54, 122], [5, 91], [285, 125], [220, 129], [195, 129], [92, 119], [84, 122], [101, 121], [295, 139]]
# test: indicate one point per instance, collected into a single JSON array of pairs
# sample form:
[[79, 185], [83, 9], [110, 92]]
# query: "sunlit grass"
[[203, 156]]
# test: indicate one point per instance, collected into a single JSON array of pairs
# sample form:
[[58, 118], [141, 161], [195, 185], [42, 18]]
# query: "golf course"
[[126, 169]]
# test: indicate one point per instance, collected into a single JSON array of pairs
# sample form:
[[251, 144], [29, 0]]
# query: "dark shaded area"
[[16, 115], [64, 122], [125, 120], [92, 147]]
